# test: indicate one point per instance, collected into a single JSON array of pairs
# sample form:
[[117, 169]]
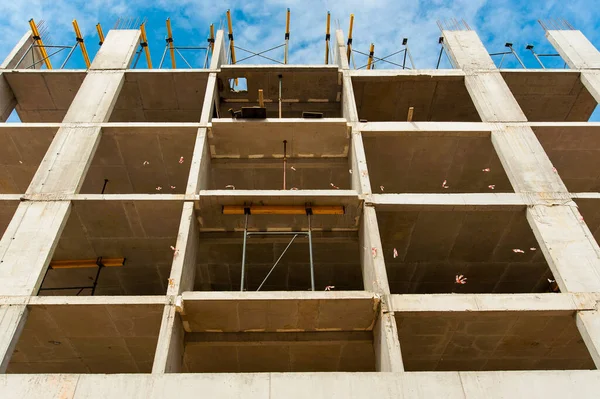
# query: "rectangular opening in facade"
[[494, 249], [87, 338], [491, 341], [249, 155], [141, 160], [434, 162], [551, 95], [142, 232], [315, 89], [433, 97], [575, 153], [22, 149], [279, 332], [161, 96], [43, 96]]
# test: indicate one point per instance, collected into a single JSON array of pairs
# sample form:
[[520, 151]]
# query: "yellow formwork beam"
[[170, 41], [86, 263], [211, 39], [282, 210], [327, 37], [100, 33], [38, 40], [144, 44], [371, 54], [86, 58], [287, 37], [349, 45], [231, 42]]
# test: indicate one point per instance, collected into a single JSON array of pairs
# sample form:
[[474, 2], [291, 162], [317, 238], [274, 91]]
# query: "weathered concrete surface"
[[279, 311], [470, 385], [87, 339]]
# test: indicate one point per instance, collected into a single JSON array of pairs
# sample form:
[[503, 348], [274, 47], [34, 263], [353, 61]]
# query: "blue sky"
[[259, 25]]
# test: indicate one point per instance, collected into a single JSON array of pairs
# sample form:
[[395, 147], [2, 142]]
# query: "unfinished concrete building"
[[436, 226]]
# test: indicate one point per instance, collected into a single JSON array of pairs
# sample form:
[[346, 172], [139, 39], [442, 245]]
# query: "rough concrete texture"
[[434, 246], [88, 339], [476, 341]]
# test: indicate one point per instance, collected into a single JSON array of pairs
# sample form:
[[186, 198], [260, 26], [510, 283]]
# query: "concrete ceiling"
[[434, 98], [7, 211], [553, 96], [44, 95], [420, 162], [482, 341], [279, 352], [141, 231], [121, 155], [336, 259], [304, 88], [590, 210], [575, 153], [435, 246], [22, 149], [279, 312], [161, 96], [103, 338]]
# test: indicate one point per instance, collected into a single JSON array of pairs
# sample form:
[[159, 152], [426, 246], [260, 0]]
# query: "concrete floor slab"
[[435, 97], [304, 88], [92, 338], [139, 159], [161, 96], [421, 163], [140, 231], [477, 341], [575, 153], [44, 95], [435, 246], [279, 311], [550, 95], [7, 211]]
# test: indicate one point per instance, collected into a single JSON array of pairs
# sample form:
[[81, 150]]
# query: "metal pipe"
[[100, 266], [170, 44], [501, 61], [310, 251], [327, 38], [412, 62], [275, 233], [287, 37], [244, 252], [24, 54], [284, 163], [440, 57], [280, 78], [137, 58], [162, 59], [276, 262], [183, 58], [517, 57], [530, 48], [68, 56]]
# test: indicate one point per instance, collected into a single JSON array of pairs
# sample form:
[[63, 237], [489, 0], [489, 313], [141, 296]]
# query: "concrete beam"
[[168, 357], [459, 202], [12, 321], [467, 51], [388, 357], [219, 54], [577, 51], [460, 385], [183, 271], [340, 50], [117, 50], [547, 302], [588, 323]]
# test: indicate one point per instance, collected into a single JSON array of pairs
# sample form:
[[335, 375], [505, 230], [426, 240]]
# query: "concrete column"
[[200, 168], [386, 343], [588, 323], [578, 53], [29, 242], [29, 54]]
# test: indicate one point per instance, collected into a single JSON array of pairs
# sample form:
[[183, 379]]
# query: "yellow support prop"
[[349, 48], [145, 45], [327, 37], [282, 210], [86, 58], [287, 37], [100, 33], [40, 43], [211, 41], [261, 99], [170, 41], [371, 53], [231, 43]]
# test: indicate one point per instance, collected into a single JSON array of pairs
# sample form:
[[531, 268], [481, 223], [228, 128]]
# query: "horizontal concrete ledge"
[[579, 384], [280, 195], [107, 197], [277, 338], [493, 302], [449, 202], [366, 75], [434, 129], [84, 300], [271, 67], [278, 311]]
